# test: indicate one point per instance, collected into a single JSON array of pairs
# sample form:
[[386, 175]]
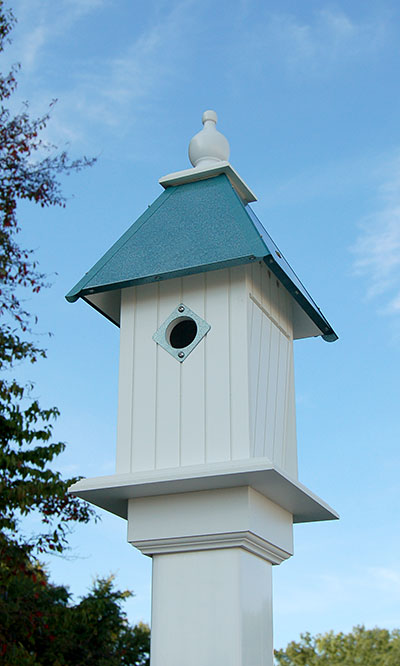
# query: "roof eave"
[[327, 332], [74, 295]]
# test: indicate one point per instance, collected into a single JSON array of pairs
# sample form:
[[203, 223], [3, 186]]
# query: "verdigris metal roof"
[[192, 228]]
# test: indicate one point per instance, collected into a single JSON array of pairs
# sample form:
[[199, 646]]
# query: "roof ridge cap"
[[202, 173]]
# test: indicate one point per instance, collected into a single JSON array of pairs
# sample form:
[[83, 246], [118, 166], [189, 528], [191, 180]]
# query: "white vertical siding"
[[125, 387], [168, 394], [239, 377], [193, 423], [145, 379], [187, 413], [290, 450], [272, 398], [256, 395], [271, 375], [232, 398], [217, 369]]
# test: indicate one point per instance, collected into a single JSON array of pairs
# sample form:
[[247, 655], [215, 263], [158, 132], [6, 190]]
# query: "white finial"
[[209, 154], [208, 147]]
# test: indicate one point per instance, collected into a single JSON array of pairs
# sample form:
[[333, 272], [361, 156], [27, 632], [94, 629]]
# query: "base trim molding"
[[246, 540]]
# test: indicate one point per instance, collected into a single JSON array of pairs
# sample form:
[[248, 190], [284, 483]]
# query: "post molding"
[[246, 540], [211, 520]]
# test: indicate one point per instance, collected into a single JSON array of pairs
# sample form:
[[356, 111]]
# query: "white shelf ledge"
[[113, 492]]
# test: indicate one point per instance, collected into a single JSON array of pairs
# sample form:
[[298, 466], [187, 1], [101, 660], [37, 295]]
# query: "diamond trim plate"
[[181, 312]]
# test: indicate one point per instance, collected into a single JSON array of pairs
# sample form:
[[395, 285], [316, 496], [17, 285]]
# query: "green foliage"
[[103, 635], [47, 630], [39, 626], [29, 170], [361, 647]]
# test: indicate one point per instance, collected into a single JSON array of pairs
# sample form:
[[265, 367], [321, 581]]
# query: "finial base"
[[210, 171]]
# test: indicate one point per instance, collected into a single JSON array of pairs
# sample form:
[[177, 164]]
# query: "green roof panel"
[[192, 228]]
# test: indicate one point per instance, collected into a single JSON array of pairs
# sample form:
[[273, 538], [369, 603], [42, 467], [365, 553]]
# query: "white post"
[[212, 552], [211, 608]]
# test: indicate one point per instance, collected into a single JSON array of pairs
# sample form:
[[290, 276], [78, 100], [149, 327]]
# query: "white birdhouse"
[[206, 470]]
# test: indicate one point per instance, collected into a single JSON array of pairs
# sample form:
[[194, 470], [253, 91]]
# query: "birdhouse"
[[206, 466]]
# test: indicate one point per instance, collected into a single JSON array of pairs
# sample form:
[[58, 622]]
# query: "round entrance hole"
[[181, 332]]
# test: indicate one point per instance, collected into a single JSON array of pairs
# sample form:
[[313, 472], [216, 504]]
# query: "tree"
[[366, 647], [27, 482], [39, 626]]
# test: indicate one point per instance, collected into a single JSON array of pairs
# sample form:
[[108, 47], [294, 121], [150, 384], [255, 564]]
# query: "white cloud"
[[32, 46], [386, 579], [377, 247], [80, 7], [320, 180], [115, 86], [378, 585], [327, 40], [50, 20], [334, 37], [110, 89], [106, 92]]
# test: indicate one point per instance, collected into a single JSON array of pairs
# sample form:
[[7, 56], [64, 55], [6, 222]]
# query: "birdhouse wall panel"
[[271, 377], [263, 371], [282, 392], [145, 374], [193, 446], [273, 396], [217, 368], [263, 387], [286, 309], [255, 282], [271, 296], [125, 388], [254, 347], [239, 378], [290, 453], [168, 394], [232, 398], [277, 301]]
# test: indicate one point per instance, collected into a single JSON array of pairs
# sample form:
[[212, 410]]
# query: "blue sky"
[[308, 96]]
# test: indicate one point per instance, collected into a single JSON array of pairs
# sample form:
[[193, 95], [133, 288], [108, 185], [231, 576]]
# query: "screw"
[[181, 308], [181, 354]]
